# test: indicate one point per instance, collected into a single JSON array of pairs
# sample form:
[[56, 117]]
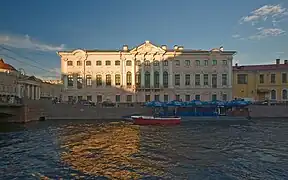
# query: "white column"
[[133, 72], [32, 92], [170, 85], [65, 81], [230, 74], [161, 74], [123, 73], [39, 92], [75, 81], [28, 91], [142, 75], [151, 75]]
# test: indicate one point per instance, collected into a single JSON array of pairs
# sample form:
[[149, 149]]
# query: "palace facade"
[[145, 73]]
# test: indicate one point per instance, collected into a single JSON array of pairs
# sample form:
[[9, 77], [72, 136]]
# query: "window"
[[197, 97], [79, 98], [107, 63], [224, 79], [165, 79], [128, 63], [138, 79], [99, 80], [273, 95], [214, 97], [284, 94], [156, 63], [79, 81], [197, 62], [128, 78], [224, 97], [88, 80], [284, 78], [156, 79], [98, 63], [117, 63], [147, 97], [89, 98], [197, 80], [187, 97], [147, 63], [88, 63], [214, 62], [273, 78], [156, 97], [69, 63], [108, 80], [166, 98], [117, 98], [177, 63], [205, 62], [70, 80], [129, 98], [261, 78], [147, 79], [117, 79], [187, 79], [206, 79], [99, 98], [138, 63], [165, 63], [224, 62], [177, 97], [177, 79], [214, 80], [79, 63], [187, 62], [70, 98], [242, 78]]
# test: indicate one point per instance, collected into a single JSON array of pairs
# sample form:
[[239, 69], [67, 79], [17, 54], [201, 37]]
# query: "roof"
[[265, 67], [148, 42], [6, 66]]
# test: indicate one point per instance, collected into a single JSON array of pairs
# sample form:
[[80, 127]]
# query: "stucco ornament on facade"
[[80, 55]]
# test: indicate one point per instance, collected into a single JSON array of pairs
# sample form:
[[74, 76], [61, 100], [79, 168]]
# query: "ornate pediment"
[[147, 47]]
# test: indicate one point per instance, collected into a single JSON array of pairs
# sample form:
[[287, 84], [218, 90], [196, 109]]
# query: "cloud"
[[268, 11], [268, 32], [236, 36], [25, 42]]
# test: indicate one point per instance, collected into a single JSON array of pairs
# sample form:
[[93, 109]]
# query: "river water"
[[107, 150]]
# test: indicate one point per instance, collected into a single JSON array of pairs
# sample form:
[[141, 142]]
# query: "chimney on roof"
[[164, 47], [125, 47], [277, 61], [176, 47], [285, 61]]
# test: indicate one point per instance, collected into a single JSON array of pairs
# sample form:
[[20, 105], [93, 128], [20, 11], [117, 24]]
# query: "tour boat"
[[151, 120]]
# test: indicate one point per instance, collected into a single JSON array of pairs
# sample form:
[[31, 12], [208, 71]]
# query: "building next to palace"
[[146, 73], [15, 84], [261, 82]]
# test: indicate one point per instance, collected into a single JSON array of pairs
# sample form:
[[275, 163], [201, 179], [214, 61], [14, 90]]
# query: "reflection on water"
[[89, 150]]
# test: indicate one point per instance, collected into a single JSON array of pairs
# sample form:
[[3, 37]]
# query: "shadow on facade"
[[153, 73]]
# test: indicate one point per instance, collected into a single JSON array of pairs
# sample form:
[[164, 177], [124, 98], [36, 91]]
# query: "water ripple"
[[89, 150]]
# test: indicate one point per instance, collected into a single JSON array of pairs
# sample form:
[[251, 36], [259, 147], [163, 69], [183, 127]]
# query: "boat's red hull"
[[157, 121]]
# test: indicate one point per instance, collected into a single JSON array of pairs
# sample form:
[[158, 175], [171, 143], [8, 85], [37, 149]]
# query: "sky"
[[31, 32]]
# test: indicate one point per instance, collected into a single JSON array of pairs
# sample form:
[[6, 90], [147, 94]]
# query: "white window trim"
[[271, 94]]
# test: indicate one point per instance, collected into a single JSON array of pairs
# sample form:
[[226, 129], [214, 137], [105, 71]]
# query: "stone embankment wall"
[[260, 111], [68, 111]]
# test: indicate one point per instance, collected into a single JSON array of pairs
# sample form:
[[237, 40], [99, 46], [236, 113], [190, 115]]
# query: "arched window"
[[98, 80], [79, 81], [165, 79], [88, 63], [129, 78], [138, 79], [284, 94], [147, 79], [117, 80], [138, 63], [156, 79], [108, 80], [273, 95], [128, 63]]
